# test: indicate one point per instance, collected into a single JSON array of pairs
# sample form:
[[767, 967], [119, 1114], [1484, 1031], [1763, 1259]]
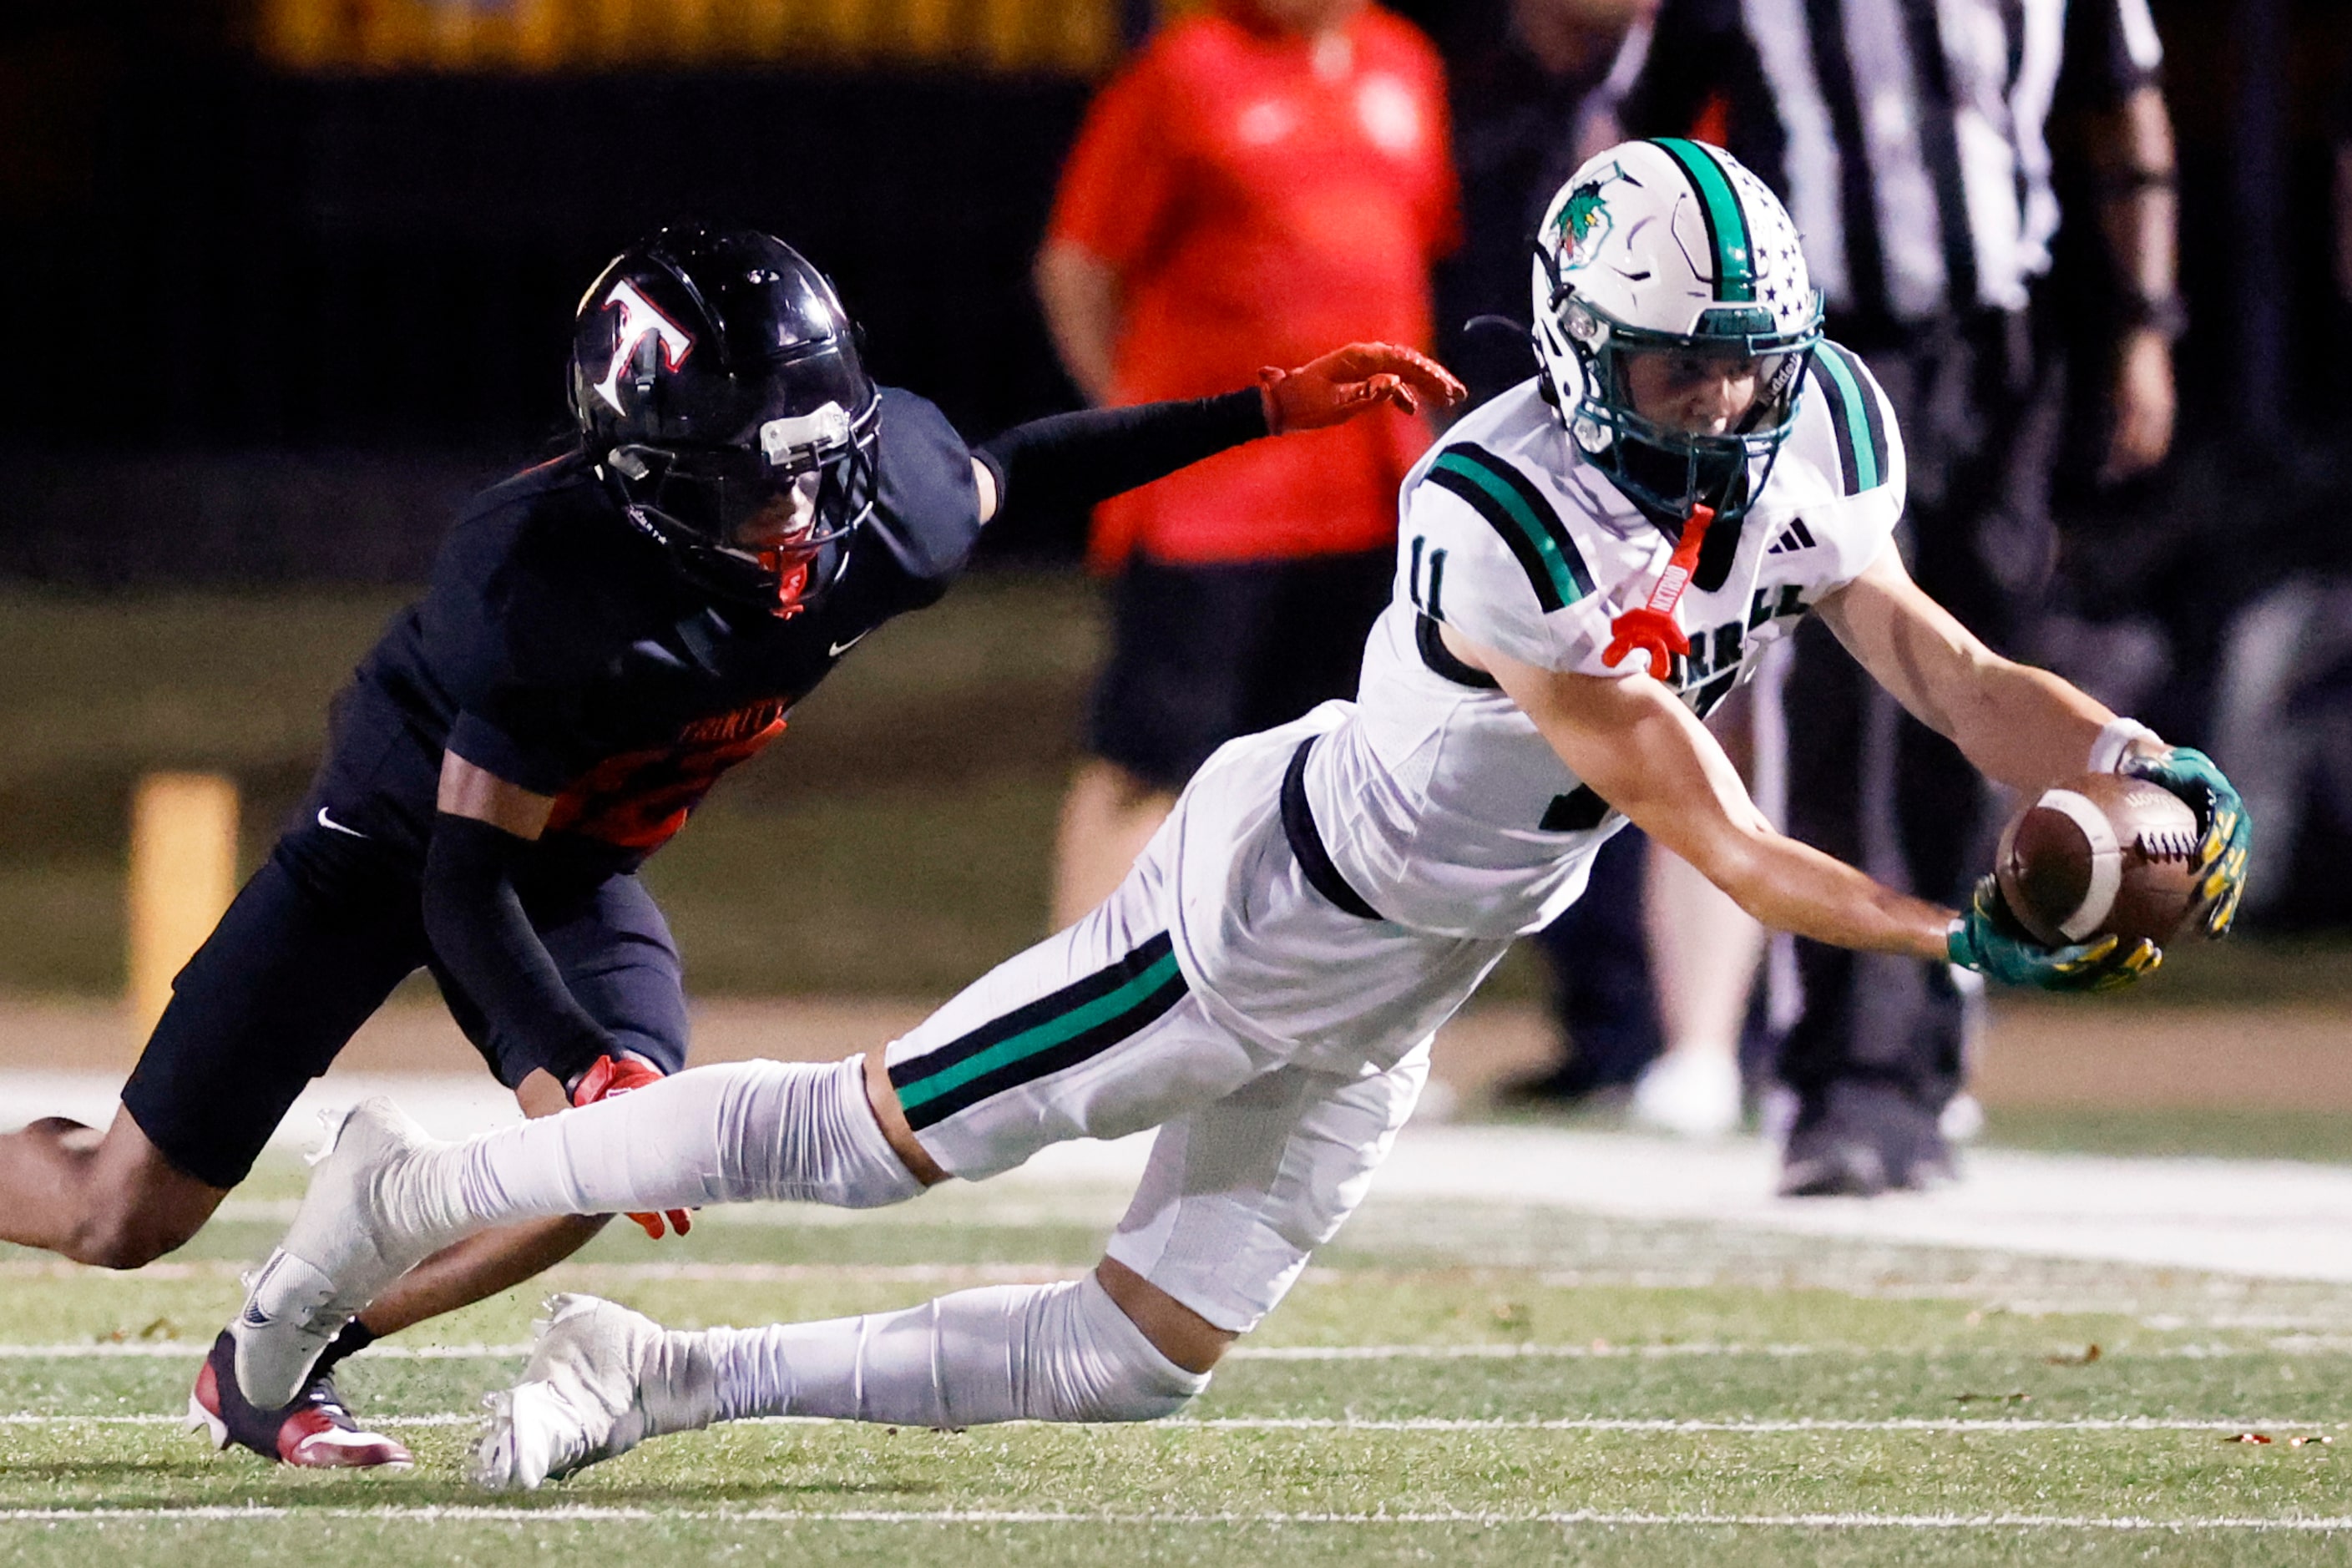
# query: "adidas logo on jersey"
[[1796, 536]]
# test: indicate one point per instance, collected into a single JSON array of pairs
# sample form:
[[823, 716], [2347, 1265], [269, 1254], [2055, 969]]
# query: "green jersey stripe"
[[1726, 221], [1526, 522], [1041, 1037]]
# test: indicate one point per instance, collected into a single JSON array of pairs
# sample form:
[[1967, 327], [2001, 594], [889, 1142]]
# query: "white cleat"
[[580, 1400], [1689, 1093], [345, 1245]]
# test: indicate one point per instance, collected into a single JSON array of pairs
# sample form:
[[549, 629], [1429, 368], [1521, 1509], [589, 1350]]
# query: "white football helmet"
[[1672, 246]]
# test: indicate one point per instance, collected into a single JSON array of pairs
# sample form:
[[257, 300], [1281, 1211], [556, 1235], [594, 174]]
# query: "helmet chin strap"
[[1651, 628]]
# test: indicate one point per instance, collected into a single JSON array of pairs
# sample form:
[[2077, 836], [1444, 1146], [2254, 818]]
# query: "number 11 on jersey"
[[1426, 599]]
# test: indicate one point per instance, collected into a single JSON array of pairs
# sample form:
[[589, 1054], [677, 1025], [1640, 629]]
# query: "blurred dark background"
[[310, 276], [293, 275]]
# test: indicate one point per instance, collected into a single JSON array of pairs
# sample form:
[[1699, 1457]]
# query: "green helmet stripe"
[[1727, 221]]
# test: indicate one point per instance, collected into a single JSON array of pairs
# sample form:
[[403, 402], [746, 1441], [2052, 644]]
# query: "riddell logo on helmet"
[[639, 317]]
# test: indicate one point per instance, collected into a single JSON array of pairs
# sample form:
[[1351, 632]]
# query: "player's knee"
[[1142, 1393], [806, 1133], [118, 1230], [1127, 1377]]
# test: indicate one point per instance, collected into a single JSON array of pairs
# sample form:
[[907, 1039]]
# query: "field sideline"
[[1533, 1343]]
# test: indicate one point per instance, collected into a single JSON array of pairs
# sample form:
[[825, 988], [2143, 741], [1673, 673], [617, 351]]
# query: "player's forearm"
[[1792, 887], [1642, 750], [2024, 727], [1067, 462], [484, 939]]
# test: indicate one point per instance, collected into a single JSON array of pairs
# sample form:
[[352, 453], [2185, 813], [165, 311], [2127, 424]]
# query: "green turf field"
[[1471, 1385]]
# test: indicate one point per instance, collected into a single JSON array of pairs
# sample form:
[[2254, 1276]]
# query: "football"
[[2100, 854]]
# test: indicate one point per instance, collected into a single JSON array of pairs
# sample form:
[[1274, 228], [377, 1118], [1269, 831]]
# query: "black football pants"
[[311, 947]]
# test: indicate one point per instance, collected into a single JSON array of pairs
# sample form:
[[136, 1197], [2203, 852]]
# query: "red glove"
[[618, 1075], [1347, 381]]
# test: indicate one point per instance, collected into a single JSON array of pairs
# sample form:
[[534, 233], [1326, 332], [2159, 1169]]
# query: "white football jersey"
[[1438, 800]]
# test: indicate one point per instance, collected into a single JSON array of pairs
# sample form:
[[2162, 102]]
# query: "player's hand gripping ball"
[[1350, 380], [2090, 881], [618, 1075], [2226, 834], [1988, 940]]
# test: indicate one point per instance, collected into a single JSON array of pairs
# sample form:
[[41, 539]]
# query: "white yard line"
[[1937, 1425], [576, 1513]]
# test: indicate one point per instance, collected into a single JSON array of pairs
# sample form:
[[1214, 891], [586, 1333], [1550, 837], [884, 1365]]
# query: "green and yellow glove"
[[1988, 940], [2227, 833]]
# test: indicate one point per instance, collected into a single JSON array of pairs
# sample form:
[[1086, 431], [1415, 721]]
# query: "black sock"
[[356, 1337]]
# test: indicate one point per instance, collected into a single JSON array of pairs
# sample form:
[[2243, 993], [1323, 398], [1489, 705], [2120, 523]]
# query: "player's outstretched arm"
[[2027, 727], [1644, 752], [2024, 727], [1075, 460]]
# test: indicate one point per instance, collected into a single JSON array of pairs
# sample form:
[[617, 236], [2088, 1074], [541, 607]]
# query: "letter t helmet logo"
[[639, 316]]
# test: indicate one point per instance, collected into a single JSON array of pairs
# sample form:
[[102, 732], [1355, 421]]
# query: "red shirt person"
[[1267, 177]]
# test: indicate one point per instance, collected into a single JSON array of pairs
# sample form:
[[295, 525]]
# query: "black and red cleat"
[[316, 1432]]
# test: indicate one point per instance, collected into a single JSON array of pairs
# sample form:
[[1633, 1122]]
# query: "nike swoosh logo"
[[842, 647], [331, 825], [254, 1316]]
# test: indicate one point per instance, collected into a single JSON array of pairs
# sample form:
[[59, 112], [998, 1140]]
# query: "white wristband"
[[2107, 751]]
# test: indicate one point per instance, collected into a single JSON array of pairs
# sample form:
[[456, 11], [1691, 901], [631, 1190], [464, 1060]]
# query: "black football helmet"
[[716, 383]]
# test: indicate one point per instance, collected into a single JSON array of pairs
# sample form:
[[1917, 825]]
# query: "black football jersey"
[[558, 649]]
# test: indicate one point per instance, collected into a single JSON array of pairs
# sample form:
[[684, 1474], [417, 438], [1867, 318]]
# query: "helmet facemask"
[[766, 522], [1674, 323], [1665, 467]]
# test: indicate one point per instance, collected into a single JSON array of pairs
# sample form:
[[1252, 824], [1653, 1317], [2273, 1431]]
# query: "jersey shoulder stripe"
[[1860, 425], [1529, 523]]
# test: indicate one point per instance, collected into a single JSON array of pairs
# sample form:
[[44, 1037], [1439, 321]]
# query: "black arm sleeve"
[[1071, 461], [476, 921]]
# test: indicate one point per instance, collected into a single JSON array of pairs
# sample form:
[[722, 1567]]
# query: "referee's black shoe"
[[1861, 1137]]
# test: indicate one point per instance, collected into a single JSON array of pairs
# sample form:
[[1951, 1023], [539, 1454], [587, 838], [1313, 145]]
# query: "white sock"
[[731, 1133], [1007, 1352]]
